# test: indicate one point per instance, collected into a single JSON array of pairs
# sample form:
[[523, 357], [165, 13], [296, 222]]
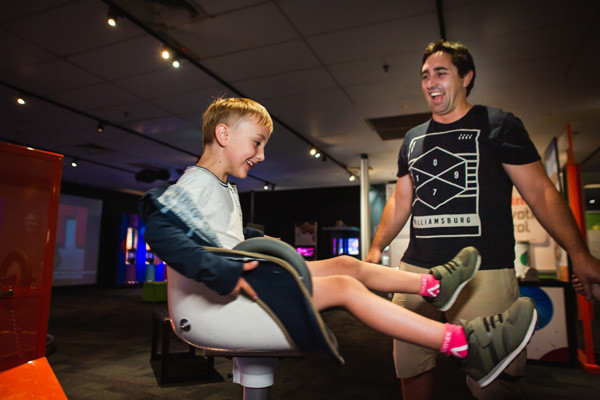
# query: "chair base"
[[177, 368]]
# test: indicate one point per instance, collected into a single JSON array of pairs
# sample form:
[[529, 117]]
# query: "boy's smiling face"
[[245, 146]]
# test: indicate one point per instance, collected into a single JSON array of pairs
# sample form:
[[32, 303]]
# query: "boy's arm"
[[187, 257]]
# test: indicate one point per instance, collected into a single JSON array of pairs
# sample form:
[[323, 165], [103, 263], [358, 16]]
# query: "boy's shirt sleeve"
[[252, 233], [187, 257]]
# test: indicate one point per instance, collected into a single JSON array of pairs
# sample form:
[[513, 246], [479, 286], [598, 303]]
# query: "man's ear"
[[222, 134], [467, 78]]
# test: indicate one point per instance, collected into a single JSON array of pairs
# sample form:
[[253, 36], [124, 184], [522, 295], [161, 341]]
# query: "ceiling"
[[322, 69]]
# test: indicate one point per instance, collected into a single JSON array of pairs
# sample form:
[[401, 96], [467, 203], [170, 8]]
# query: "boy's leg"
[[485, 345], [491, 292], [376, 312], [441, 284], [373, 276], [410, 360]]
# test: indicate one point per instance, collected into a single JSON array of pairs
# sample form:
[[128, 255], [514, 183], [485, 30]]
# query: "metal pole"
[[365, 207]]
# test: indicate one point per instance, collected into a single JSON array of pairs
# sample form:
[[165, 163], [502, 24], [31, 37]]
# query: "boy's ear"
[[222, 134]]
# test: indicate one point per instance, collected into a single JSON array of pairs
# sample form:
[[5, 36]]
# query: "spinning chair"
[[282, 322]]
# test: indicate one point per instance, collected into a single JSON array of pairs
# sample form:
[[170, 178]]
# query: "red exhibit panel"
[[29, 196]]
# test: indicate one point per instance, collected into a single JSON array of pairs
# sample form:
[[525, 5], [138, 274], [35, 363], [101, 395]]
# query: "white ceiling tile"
[[50, 77], [166, 82], [370, 41], [310, 80], [123, 59], [242, 29], [217, 7], [317, 16], [92, 97], [20, 54], [70, 28], [270, 60]]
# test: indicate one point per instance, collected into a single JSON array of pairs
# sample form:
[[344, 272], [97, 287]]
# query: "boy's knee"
[[347, 284], [350, 264]]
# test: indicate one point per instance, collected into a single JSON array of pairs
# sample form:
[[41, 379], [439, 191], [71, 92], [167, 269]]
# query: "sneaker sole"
[[452, 299], [489, 378]]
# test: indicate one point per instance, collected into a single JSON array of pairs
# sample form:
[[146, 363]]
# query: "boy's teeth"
[[252, 165]]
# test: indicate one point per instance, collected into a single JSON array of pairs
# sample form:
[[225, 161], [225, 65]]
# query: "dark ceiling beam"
[[440, 14]]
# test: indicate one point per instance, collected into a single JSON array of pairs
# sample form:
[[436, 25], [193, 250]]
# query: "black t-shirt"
[[462, 195]]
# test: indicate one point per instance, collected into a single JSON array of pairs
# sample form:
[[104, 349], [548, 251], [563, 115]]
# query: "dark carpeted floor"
[[102, 340]]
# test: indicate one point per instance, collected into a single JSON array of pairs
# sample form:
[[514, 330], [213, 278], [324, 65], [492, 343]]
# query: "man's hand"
[[243, 286], [587, 271], [374, 256]]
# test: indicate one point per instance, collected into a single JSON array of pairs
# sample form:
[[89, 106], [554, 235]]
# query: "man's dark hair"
[[461, 58]]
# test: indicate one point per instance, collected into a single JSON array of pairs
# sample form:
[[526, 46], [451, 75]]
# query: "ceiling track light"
[[100, 127], [74, 162], [21, 100], [165, 54], [111, 18], [352, 178], [176, 63]]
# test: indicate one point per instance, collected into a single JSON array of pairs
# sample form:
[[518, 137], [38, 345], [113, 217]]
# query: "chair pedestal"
[[255, 374]]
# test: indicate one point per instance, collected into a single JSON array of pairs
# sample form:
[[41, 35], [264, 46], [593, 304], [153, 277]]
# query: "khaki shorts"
[[490, 292]]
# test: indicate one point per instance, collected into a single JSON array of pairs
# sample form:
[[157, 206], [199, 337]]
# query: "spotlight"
[[266, 187], [313, 151], [176, 63], [351, 178], [100, 127], [166, 54], [21, 100], [111, 18], [74, 163], [317, 154]]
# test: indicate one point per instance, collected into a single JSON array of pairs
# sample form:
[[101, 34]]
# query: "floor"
[[101, 350]]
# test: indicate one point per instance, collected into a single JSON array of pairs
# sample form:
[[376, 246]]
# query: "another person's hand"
[[243, 286], [374, 256], [578, 287], [587, 271]]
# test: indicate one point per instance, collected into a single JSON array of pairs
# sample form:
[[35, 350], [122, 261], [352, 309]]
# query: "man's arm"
[[554, 214], [395, 214]]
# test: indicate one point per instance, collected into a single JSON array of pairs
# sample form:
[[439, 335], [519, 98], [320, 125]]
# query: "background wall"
[[114, 204]]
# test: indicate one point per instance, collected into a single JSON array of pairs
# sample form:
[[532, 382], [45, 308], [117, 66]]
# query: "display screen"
[[353, 246], [77, 241], [306, 251]]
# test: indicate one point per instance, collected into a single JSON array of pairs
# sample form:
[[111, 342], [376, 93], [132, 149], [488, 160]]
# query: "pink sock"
[[430, 287], [455, 343]]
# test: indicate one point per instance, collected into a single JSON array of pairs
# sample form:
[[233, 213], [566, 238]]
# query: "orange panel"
[[29, 194], [33, 380]]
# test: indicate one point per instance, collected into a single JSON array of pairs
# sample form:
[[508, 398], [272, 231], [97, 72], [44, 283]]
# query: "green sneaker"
[[495, 341], [453, 276]]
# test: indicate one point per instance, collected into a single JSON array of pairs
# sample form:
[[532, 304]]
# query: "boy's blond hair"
[[230, 111]]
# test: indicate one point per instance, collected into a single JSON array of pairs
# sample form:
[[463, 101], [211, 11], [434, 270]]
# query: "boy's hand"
[[243, 286]]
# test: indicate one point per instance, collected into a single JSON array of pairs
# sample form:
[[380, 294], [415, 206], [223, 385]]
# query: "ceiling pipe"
[[440, 15]]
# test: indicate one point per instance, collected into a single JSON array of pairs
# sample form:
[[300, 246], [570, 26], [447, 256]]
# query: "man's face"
[[442, 86]]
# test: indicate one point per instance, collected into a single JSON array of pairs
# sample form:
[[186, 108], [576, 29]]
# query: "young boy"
[[203, 203]]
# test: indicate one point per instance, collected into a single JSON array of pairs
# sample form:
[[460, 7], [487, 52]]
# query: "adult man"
[[455, 176]]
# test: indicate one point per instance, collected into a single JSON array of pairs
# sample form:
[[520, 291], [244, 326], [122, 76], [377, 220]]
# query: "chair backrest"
[[282, 320]]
